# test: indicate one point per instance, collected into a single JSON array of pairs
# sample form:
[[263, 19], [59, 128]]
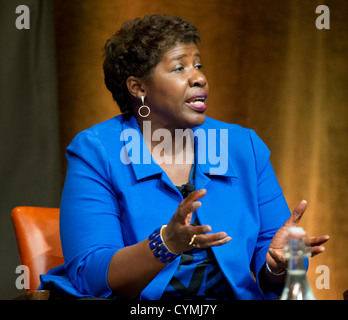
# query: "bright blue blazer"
[[107, 204]]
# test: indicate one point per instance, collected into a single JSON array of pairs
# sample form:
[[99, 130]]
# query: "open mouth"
[[197, 103]]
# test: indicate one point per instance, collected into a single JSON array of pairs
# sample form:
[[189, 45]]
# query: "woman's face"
[[177, 91]]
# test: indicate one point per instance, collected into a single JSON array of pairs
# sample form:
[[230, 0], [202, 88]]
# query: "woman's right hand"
[[179, 231]]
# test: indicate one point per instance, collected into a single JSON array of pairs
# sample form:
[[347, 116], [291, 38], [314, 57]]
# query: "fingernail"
[[222, 236], [196, 204], [206, 229]]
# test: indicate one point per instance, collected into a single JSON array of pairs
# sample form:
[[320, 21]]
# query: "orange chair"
[[38, 240]]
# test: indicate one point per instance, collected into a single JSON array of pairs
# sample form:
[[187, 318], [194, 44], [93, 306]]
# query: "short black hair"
[[138, 47]]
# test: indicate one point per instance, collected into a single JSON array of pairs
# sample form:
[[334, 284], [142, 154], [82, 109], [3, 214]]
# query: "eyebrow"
[[179, 57]]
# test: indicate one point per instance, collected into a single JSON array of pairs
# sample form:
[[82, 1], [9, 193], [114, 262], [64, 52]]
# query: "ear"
[[136, 87]]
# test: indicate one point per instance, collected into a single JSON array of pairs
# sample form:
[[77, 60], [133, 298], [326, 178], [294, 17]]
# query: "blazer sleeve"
[[272, 206], [90, 222]]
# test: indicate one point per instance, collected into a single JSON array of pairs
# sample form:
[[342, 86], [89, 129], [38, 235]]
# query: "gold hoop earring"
[[148, 111]]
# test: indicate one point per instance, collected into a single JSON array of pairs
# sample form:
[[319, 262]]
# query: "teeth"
[[197, 102]]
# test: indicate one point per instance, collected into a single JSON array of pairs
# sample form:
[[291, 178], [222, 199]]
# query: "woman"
[[132, 225]]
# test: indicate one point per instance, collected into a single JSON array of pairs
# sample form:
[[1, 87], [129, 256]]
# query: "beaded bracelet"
[[159, 248]]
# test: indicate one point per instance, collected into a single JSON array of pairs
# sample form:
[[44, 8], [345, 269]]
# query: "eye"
[[178, 68], [198, 66]]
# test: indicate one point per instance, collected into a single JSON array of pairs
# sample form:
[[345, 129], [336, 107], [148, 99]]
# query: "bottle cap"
[[296, 232]]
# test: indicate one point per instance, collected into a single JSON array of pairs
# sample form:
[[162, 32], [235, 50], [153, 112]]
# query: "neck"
[[168, 145]]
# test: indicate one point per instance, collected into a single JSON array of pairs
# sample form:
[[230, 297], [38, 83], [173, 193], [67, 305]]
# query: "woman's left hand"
[[275, 257]]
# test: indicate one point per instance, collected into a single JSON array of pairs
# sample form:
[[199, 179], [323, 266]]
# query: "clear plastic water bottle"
[[297, 250]]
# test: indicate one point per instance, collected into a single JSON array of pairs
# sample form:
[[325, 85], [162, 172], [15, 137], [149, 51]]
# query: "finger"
[[190, 204], [185, 210], [211, 240], [218, 242], [188, 219], [279, 259], [316, 250], [317, 241], [197, 230], [297, 214], [195, 195], [276, 257]]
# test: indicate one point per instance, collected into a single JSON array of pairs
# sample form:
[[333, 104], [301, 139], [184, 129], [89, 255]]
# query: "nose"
[[197, 79]]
